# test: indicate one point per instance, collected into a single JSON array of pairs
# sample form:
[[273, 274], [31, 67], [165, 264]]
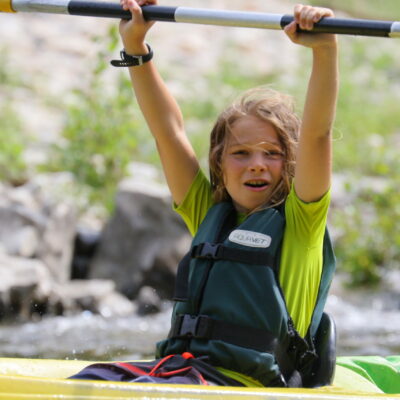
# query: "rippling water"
[[361, 330], [85, 336], [373, 329]]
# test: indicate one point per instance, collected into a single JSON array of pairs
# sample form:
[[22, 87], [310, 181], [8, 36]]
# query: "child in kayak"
[[251, 291]]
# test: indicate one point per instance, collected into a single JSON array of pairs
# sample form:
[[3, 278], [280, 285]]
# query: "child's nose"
[[258, 163]]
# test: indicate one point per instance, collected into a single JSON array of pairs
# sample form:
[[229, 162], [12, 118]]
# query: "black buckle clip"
[[206, 250], [188, 325], [195, 326]]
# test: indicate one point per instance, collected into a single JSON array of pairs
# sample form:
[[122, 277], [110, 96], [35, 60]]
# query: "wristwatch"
[[128, 60]]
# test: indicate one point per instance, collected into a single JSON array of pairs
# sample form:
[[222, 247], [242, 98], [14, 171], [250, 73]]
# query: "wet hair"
[[268, 105]]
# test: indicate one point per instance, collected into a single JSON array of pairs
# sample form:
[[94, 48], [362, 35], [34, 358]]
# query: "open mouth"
[[257, 184]]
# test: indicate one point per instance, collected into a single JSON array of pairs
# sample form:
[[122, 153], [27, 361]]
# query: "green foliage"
[[13, 168], [369, 122], [367, 108], [8, 77], [366, 143], [369, 241], [99, 134]]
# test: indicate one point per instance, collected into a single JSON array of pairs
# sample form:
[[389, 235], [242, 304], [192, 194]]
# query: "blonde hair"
[[268, 105]]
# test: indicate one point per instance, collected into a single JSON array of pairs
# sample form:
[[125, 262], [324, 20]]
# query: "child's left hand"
[[305, 17]]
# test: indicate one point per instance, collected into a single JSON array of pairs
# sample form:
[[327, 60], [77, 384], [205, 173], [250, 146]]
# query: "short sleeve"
[[302, 256], [196, 203]]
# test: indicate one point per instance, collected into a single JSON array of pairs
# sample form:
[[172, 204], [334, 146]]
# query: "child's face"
[[252, 163]]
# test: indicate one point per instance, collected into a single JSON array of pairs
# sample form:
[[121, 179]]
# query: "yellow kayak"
[[46, 379]]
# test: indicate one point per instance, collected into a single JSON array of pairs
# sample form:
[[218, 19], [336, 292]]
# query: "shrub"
[[100, 134], [13, 168]]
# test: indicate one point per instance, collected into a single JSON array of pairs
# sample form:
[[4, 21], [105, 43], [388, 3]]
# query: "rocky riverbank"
[[51, 264]]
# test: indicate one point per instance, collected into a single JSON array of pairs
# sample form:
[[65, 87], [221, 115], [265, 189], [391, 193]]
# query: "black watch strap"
[[128, 60]]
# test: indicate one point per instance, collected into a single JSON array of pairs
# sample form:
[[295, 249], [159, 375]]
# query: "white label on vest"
[[249, 238]]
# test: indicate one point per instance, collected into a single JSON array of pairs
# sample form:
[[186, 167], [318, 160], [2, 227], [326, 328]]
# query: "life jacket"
[[229, 303]]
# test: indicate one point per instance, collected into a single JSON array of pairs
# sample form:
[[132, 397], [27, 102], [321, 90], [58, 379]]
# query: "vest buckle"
[[188, 325], [192, 326], [206, 250]]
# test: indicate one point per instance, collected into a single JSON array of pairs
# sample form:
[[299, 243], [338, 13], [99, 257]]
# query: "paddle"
[[346, 26]]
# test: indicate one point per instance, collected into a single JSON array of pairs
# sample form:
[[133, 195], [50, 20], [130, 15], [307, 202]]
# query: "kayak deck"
[[45, 379]]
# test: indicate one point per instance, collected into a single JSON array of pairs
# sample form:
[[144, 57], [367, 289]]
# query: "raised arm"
[[314, 155], [158, 106]]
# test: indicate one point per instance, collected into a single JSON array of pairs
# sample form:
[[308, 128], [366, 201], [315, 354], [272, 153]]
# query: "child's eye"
[[274, 155], [240, 152]]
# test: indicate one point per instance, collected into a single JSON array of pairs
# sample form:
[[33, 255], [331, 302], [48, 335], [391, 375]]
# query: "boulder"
[[97, 296], [35, 224], [143, 241], [37, 233], [27, 290], [24, 283]]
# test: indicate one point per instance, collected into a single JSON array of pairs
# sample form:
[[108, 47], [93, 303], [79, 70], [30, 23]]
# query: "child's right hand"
[[133, 32]]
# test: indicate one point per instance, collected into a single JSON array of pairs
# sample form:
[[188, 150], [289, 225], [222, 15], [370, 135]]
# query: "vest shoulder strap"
[[224, 215]]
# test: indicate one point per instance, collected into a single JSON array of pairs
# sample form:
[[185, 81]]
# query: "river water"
[[371, 329]]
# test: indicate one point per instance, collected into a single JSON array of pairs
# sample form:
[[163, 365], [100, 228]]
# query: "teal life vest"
[[229, 303]]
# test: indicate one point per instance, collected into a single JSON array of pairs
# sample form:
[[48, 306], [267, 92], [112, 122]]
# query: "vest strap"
[[203, 327], [213, 252], [217, 251]]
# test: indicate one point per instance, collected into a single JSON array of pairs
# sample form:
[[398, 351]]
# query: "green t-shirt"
[[301, 258]]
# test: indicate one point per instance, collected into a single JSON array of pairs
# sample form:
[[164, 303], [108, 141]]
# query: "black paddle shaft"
[[348, 26]]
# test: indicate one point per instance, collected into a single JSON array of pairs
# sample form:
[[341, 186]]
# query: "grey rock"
[[23, 283], [34, 224], [97, 296], [143, 242]]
